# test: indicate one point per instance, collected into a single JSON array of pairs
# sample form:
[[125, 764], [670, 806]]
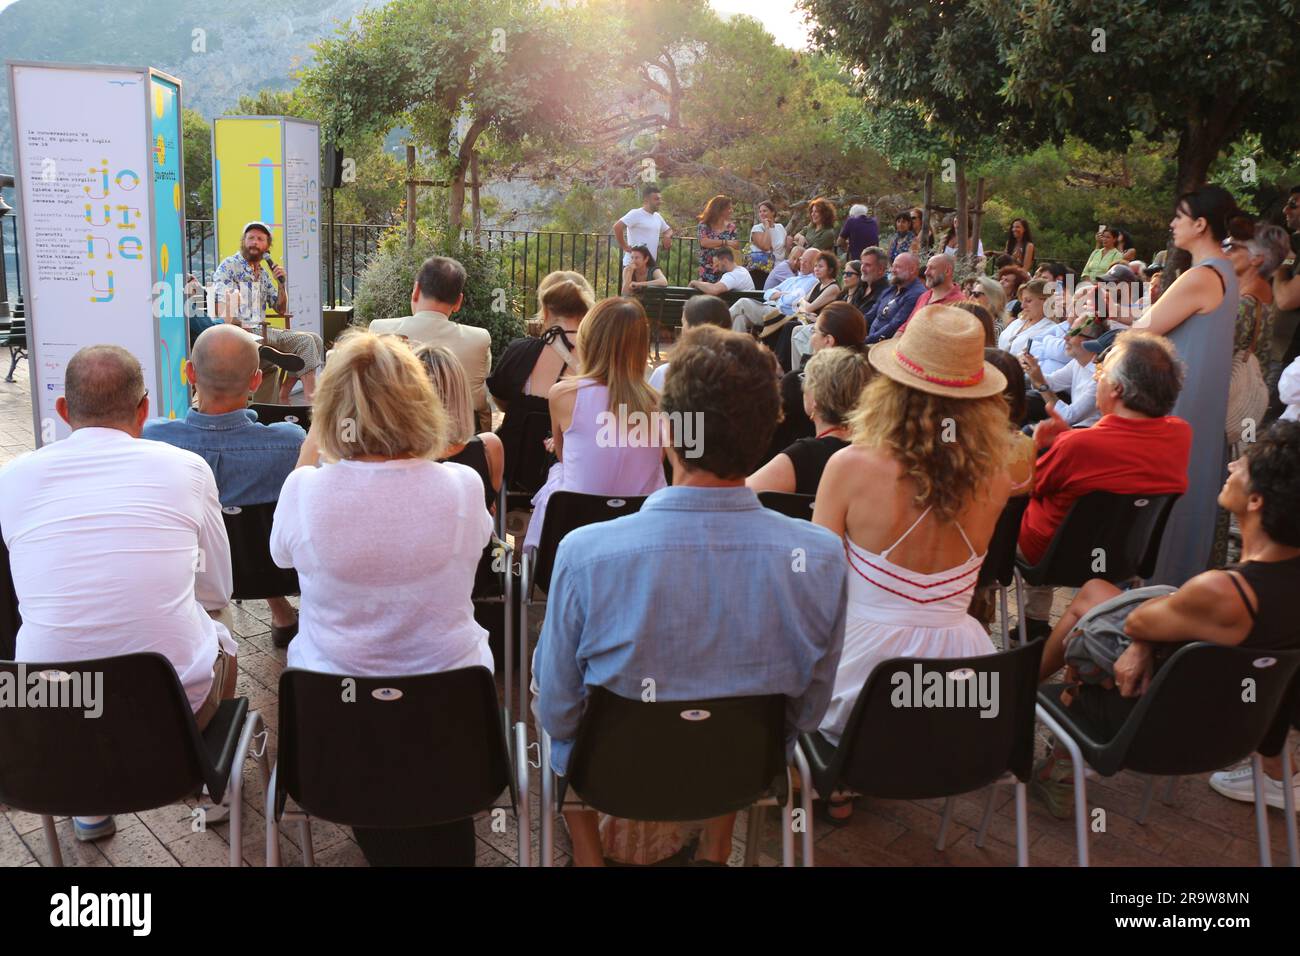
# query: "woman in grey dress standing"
[[1199, 314]]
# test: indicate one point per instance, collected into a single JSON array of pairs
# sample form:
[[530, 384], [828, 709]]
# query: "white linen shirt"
[[738, 279], [1288, 390], [642, 228], [1044, 339], [1081, 409], [386, 554], [105, 533]]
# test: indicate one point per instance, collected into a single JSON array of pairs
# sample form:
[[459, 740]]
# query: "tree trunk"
[[978, 216], [923, 240], [475, 210], [410, 196], [456, 201], [962, 222]]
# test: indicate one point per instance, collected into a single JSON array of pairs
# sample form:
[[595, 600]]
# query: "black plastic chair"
[[1192, 719], [269, 414], [790, 505], [912, 751], [565, 511], [142, 751], [999, 567], [663, 306], [405, 751], [1123, 531], [256, 576], [676, 760]]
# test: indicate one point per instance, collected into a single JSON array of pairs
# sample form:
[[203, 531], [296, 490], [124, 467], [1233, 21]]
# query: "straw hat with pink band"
[[941, 351]]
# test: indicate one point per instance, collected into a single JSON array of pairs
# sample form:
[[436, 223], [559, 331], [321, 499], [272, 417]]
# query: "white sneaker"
[[1239, 784]]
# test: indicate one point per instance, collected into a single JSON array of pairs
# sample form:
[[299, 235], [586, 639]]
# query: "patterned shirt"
[[235, 274], [901, 243], [707, 272]]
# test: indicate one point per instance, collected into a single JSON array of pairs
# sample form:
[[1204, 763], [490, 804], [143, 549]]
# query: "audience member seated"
[[1011, 278], [1027, 333], [785, 269], [871, 279], [1135, 448], [895, 303], [782, 298], [249, 460], [1020, 247], [386, 541], [833, 381], [915, 510], [731, 277], [715, 611], [1076, 378], [531, 365], [1248, 604], [437, 295], [940, 289], [836, 326], [903, 235], [602, 429], [1105, 255], [104, 534], [642, 272], [791, 341], [820, 233], [483, 453], [766, 240], [698, 310]]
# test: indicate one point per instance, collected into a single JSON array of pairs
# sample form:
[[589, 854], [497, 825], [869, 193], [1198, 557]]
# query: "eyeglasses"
[[977, 293], [850, 272]]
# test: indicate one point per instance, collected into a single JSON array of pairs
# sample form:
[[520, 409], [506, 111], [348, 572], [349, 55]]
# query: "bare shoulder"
[[563, 391], [859, 465]]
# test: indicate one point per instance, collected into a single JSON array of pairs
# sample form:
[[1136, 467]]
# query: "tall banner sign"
[[267, 168], [99, 176]]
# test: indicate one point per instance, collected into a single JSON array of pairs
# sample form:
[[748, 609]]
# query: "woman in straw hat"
[[916, 496]]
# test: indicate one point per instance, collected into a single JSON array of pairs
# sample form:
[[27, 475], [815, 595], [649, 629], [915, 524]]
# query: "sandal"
[[822, 811]]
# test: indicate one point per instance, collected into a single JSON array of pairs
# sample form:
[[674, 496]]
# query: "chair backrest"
[[527, 460], [933, 727], [790, 505], [256, 575], [391, 751], [141, 751], [677, 760], [663, 304], [269, 414], [567, 510], [10, 619], [1104, 535], [1208, 706], [1000, 559]]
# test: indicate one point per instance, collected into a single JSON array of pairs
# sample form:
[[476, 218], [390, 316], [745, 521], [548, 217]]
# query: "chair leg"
[[1288, 806], [523, 819], [304, 833], [1022, 824], [805, 802], [1080, 794], [943, 824], [1168, 798], [1020, 607], [272, 825], [1261, 811], [52, 840], [13, 366], [987, 818], [526, 587], [753, 834], [787, 822], [1147, 793], [253, 727], [547, 808]]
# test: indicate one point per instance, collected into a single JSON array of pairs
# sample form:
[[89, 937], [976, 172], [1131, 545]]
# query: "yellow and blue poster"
[[247, 180], [169, 243]]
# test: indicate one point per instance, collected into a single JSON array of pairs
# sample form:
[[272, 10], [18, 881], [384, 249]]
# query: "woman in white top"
[[916, 512], [766, 238], [386, 541], [1033, 331]]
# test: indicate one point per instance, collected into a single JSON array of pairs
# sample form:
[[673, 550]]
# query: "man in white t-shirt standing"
[[731, 277], [644, 226]]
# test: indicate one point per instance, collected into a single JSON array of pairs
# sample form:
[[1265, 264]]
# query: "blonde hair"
[[552, 279], [835, 378], [451, 384], [613, 342], [948, 447], [374, 398], [996, 295]]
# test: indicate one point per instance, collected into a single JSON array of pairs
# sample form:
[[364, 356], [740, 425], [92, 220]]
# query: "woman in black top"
[[1251, 604], [839, 324], [484, 453], [833, 381]]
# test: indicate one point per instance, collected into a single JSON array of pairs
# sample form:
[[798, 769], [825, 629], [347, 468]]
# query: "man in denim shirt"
[[704, 591], [250, 461]]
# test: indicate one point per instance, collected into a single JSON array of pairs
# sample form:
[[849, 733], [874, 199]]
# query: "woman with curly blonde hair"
[[916, 496]]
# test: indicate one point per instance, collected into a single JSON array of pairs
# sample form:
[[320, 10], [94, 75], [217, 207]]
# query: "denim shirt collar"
[[227, 421], [679, 498]]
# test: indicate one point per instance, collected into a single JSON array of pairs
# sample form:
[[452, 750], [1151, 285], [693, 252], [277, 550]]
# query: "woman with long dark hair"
[[1199, 315], [1020, 244]]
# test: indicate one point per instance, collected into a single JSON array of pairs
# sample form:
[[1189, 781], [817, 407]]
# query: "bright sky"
[[780, 17]]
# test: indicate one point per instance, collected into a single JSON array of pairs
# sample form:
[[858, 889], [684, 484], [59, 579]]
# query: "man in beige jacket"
[[438, 294]]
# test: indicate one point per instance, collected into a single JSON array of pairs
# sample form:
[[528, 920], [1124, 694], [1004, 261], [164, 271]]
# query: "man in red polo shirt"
[[939, 287], [1136, 448]]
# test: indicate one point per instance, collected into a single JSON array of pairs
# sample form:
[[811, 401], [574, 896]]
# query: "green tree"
[[196, 140]]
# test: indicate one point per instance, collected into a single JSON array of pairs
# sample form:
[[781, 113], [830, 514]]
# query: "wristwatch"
[[1042, 388]]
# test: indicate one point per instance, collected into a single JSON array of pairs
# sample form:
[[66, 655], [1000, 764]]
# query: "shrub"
[[384, 286]]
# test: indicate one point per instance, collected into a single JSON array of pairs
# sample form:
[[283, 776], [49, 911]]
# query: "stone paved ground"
[[1199, 829]]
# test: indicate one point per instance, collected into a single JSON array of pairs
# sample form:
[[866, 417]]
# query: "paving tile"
[[13, 851]]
